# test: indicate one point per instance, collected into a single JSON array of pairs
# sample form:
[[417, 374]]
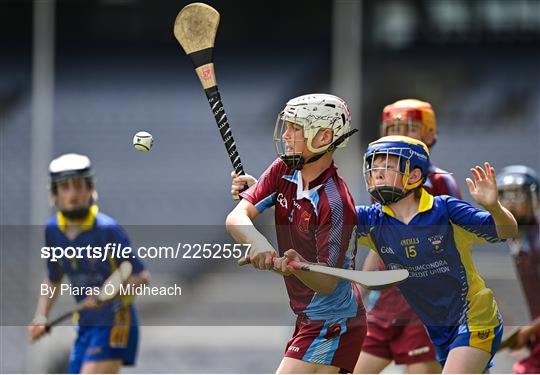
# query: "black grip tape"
[[214, 99], [202, 57]]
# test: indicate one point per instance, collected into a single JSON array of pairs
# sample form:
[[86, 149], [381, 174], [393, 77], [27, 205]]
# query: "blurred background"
[[85, 76]]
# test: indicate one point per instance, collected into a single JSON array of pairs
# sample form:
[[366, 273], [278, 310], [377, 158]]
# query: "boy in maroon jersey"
[[519, 192], [315, 219], [394, 331]]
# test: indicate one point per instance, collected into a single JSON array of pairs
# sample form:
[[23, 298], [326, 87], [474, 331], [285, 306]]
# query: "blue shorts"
[[104, 343], [488, 340]]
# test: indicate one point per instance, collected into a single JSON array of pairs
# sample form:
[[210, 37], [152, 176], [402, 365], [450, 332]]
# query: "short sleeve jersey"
[[99, 230], [390, 306], [318, 222], [444, 288]]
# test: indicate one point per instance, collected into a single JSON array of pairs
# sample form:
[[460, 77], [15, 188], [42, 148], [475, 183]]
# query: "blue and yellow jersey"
[[444, 287], [98, 230]]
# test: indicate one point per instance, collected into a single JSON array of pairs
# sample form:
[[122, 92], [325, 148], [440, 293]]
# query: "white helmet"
[[70, 166], [314, 112]]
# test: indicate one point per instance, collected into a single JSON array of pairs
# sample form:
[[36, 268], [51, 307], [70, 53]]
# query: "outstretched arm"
[[240, 227], [484, 191]]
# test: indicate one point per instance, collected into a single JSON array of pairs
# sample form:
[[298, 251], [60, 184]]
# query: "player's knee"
[[426, 367], [102, 367], [297, 366]]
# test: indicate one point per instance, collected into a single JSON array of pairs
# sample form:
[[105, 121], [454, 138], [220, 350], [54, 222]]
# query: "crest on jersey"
[[436, 241], [303, 225], [483, 334]]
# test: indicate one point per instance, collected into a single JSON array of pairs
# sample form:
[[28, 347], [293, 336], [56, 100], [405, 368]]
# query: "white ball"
[[143, 141]]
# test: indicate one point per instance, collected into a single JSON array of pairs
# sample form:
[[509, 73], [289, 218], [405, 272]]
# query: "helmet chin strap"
[[293, 161], [332, 146], [77, 213], [392, 194], [388, 194], [298, 161]]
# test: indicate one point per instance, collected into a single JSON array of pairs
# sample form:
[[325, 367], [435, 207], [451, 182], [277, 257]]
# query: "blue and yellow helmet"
[[411, 154]]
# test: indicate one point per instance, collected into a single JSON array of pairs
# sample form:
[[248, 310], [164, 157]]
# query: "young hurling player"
[[519, 192], [107, 334], [315, 222], [394, 331], [432, 238]]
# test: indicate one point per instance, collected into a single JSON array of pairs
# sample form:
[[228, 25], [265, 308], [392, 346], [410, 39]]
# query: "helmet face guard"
[[518, 187], [312, 112], [388, 164], [288, 150], [87, 176], [409, 128], [381, 188], [78, 212], [69, 167], [412, 118]]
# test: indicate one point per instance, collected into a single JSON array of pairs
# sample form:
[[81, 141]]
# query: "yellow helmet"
[[411, 112]]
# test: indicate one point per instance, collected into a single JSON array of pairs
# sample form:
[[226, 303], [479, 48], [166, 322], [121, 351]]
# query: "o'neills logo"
[[418, 351], [394, 266]]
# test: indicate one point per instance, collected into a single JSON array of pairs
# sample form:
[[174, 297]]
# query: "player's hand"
[[239, 182], [484, 187], [281, 264], [261, 259], [91, 303], [524, 338], [37, 329]]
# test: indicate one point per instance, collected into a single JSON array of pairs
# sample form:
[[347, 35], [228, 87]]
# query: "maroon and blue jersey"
[[319, 222], [441, 182], [525, 250]]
